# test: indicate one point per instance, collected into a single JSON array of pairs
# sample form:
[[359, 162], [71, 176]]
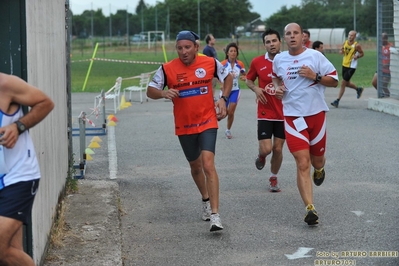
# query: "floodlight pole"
[[199, 21], [110, 25], [156, 17], [354, 15], [92, 28]]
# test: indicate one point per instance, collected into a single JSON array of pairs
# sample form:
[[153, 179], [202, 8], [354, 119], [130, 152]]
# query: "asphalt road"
[[357, 204]]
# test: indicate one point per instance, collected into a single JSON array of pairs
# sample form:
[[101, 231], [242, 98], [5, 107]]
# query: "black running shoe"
[[335, 103], [359, 92], [318, 176], [260, 162], [311, 217]]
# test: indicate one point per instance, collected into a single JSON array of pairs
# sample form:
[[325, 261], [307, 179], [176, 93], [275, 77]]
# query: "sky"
[[264, 7]]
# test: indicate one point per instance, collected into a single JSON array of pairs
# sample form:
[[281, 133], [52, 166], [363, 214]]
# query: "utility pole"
[[354, 15], [92, 28], [127, 27], [199, 18], [110, 25]]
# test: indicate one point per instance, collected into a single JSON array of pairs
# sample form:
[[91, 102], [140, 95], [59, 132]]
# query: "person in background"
[[386, 50], [318, 46], [237, 70], [306, 39], [352, 51], [19, 168], [270, 125], [196, 118], [300, 76], [209, 50]]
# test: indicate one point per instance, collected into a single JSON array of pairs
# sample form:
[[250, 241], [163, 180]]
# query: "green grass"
[[365, 69], [103, 74]]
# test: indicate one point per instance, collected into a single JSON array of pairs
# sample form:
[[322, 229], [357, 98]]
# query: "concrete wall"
[[46, 67]]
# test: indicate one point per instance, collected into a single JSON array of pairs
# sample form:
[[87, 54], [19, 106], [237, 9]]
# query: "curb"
[[94, 234]]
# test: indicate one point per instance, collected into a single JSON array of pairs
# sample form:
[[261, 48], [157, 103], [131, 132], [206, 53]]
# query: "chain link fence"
[[386, 79]]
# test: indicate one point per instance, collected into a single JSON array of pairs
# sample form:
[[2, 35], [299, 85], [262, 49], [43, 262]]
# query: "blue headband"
[[187, 35]]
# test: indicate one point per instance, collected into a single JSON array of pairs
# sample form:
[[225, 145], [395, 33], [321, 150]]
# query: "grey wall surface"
[[46, 67]]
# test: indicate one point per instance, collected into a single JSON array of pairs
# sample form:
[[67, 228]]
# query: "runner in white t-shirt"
[[300, 76], [237, 69]]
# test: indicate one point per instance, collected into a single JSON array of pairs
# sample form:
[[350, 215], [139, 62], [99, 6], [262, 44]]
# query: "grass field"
[[104, 73]]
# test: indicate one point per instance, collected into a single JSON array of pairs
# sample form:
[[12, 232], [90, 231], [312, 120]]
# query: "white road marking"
[[112, 156], [299, 254], [358, 213]]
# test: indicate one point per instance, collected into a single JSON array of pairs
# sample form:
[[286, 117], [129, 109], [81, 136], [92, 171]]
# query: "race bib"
[[300, 124]]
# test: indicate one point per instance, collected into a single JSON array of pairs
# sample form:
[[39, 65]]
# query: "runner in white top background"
[[300, 76]]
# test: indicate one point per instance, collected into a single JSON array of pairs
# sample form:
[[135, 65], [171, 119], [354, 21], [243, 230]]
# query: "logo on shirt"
[[181, 77], [269, 89], [200, 73], [292, 72], [203, 90]]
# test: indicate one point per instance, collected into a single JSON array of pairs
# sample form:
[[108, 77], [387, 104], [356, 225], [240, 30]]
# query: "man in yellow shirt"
[[352, 51]]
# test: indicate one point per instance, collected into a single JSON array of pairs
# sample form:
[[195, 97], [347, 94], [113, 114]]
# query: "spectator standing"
[[300, 76], [318, 46], [270, 125], [386, 50], [209, 50]]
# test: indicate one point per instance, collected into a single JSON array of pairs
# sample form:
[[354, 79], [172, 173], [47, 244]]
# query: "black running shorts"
[[267, 129], [193, 144], [347, 73], [16, 200]]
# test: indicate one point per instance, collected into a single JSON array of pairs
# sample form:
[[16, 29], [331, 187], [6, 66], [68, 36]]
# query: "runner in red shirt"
[[270, 109], [306, 39]]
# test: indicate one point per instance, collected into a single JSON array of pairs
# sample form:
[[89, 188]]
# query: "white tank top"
[[20, 162]]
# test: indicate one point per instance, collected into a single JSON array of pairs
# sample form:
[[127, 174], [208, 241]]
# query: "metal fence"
[[388, 58]]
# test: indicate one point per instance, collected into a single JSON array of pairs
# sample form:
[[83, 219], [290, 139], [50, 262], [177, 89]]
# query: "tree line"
[[222, 17]]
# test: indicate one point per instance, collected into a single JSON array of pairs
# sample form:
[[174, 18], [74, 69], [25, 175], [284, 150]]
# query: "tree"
[[328, 14], [141, 7]]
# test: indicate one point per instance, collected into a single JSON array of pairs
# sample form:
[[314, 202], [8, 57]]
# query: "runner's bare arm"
[[20, 92], [359, 51], [14, 90], [154, 93]]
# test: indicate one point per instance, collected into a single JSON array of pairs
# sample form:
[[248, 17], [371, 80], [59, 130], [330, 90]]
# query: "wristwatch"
[[225, 98], [20, 126], [318, 77]]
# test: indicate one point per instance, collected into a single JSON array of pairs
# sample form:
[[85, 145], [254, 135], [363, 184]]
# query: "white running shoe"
[[228, 134], [216, 223], [206, 210], [274, 187]]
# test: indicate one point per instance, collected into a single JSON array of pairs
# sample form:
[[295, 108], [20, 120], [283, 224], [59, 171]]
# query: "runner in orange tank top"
[[189, 82]]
